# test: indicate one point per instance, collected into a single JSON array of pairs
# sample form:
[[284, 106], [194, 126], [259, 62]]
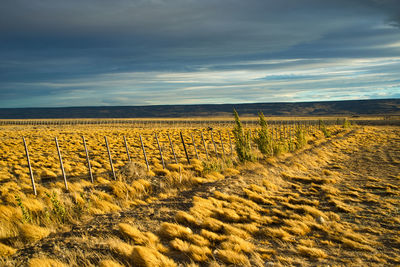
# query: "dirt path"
[[336, 203]]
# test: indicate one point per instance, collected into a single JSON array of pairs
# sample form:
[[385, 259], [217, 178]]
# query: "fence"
[[83, 157], [173, 123]]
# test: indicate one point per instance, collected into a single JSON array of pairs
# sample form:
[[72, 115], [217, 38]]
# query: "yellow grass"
[[32, 232], [290, 210], [311, 252], [45, 262], [232, 257], [120, 247], [197, 253], [172, 230], [135, 234], [109, 263], [149, 257], [212, 236], [6, 250], [186, 218], [237, 244]]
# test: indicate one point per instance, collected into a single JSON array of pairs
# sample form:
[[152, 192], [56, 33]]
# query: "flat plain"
[[334, 201]]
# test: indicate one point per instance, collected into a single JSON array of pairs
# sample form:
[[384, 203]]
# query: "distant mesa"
[[386, 107]]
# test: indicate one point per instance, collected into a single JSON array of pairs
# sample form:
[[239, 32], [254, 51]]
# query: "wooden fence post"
[[230, 143], [127, 149], [290, 138], [215, 146], [194, 145], [61, 164], [184, 147], [204, 144], [88, 159], [172, 148], [30, 167], [159, 149], [144, 153], [109, 157], [222, 144]]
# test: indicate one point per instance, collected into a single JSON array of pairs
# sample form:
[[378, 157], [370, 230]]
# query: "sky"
[[57, 53]]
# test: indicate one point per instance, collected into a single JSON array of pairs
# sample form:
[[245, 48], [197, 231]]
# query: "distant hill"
[[326, 108]]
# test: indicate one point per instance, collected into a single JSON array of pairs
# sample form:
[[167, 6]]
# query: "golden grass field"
[[334, 202]]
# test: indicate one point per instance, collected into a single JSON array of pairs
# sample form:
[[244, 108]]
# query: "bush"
[[300, 138], [324, 129], [280, 147], [58, 208], [263, 139], [346, 124], [242, 141]]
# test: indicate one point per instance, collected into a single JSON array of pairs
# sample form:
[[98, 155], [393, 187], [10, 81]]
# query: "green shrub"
[[346, 124], [26, 216], [301, 140], [263, 139], [279, 147], [58, 209], [242, 141], [323, 128], [212, 166]]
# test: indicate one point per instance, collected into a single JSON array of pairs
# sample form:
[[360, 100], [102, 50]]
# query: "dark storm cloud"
[[64, 52]]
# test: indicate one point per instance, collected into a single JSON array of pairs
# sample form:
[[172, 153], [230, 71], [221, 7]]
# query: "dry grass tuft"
[[311, 252], [132, 232], [258, 198], [132, 170], [237, 244], [175, 167], [248, 204], [212, 236], [311, 210], [109, 263], [198, 253], [8, 229], [172, 230], [161, 172], [296, 227], [214, 176], [304, 179], [355, 245], [251, 228], [45, 262], [186, 218], [104, 206], [198, 240], [231, 172], [120, 247], [34, 205], [227, 214], [180, 245], [268, 184], [234, 231], [149, 257], [212, 224], [32, 232], [276, 233], [232, 257], [6, 250]]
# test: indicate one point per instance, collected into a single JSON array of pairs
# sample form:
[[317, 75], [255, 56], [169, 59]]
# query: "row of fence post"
[[90, 172], [160, 123], [290, 135]]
